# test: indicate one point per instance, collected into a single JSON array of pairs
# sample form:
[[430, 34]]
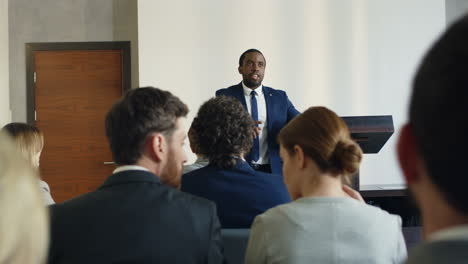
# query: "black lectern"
[[371, 133]]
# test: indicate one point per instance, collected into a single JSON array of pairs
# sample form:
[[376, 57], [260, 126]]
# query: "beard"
[[172, 172], [253, 83]]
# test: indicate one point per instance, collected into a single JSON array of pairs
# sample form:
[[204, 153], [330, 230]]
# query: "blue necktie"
[[254, 153]]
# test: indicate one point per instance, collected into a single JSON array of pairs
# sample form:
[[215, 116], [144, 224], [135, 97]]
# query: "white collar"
[[459, 232], [201, 159], [129, 167], [247, 90]]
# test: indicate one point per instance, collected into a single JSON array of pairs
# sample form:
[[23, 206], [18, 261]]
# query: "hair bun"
[[346, 157]]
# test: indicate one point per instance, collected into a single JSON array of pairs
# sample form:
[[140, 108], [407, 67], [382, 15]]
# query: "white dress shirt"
[[262, 117], [129, 167]]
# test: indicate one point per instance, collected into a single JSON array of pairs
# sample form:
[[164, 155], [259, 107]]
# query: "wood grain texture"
[[74, 90]]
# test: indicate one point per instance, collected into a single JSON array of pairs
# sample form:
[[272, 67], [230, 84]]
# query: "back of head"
[[29, 140], [224, 130], [325, 138], [192, 136], [139, 113], [439, 116], [24, 223]]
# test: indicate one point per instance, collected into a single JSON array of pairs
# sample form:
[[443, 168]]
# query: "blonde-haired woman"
[[30, 141], [24, 224], [327, 222]]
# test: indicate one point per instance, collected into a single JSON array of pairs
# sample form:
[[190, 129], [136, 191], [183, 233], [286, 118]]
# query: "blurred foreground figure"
[[432, 152], [30, 142], [24, 225]]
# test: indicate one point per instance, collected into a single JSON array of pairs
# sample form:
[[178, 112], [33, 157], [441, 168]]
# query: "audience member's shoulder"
[[190, 200], [74, 203], [275, 215], [378, 214]]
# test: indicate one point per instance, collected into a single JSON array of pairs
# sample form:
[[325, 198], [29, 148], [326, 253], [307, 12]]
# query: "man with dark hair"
[[223, 130], [431, 148], [270, 108], [138, 215]]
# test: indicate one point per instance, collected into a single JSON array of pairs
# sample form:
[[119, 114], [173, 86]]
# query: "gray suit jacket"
[[326, 230], [449, 251]]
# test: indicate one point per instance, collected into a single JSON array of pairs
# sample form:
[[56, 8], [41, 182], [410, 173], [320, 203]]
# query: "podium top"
[[370, 132]]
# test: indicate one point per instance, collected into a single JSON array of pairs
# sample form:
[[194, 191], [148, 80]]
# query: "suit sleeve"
[[292, 111], [257, 247], [215, 248]]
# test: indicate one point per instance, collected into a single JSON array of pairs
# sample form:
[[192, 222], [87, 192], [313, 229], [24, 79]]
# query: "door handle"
[[109, 163]]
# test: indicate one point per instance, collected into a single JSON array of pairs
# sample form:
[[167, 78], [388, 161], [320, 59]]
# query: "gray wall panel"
[[50, 21]]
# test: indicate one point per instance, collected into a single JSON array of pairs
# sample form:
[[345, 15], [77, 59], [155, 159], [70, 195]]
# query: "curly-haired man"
[[223, 130]]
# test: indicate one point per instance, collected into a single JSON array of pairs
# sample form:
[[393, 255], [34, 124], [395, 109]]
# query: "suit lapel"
[[239, 94], [269, 102]]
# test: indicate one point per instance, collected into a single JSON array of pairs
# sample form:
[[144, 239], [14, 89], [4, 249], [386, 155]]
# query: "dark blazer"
[[444, 251], [279, 112], [134, 218], [240, 193]]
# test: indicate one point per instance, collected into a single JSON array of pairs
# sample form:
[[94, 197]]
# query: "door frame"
[[124, 46]]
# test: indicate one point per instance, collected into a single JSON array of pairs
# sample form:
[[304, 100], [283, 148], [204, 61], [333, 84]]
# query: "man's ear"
[[299, 156], [158, 146], [408, 154], [239, 69]]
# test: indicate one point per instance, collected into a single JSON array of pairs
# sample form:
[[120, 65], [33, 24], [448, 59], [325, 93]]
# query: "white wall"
[[5, 116], [125, 27], [355, 57], [454, 9]]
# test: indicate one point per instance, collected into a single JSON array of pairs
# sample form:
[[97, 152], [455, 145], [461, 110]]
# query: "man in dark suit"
[[223, 130], [271, 109], [138, 215], [432, 148]]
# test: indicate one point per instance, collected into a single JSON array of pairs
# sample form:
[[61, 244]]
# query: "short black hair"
[[139, 113], [242, 56], [224, 130], [439, 113]]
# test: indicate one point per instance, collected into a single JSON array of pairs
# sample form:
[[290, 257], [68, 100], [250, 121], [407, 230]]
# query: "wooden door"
[[74, 89]]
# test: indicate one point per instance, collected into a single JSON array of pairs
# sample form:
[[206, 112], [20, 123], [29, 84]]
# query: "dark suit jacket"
[[279, 112], [438, 252], [134, 218], [240, 193]]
